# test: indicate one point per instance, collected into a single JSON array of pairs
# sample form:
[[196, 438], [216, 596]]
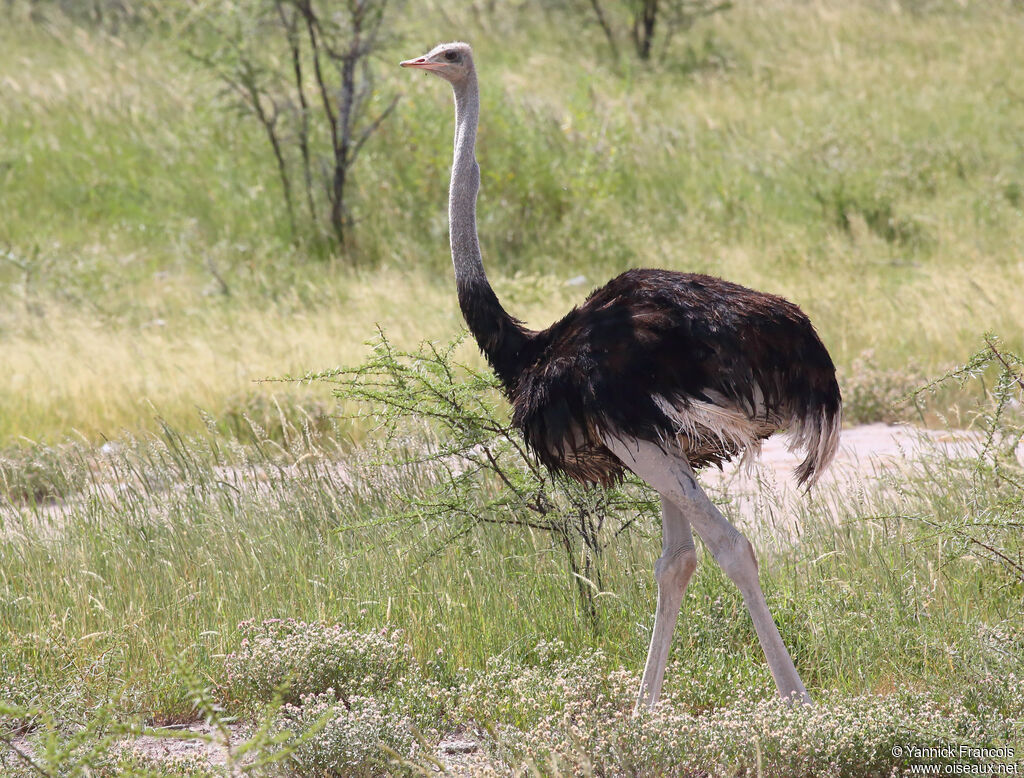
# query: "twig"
[[603, 21], [29, 761], [1010, 371], [291, 31]]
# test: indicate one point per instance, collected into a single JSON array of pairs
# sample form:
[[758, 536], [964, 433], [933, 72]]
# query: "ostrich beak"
[[421, 63]]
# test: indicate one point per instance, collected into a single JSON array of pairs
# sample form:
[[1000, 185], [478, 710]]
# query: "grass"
[[860, 161], [175, 543]]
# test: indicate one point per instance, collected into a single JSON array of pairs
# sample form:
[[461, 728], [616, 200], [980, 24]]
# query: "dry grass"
[[858, 159]]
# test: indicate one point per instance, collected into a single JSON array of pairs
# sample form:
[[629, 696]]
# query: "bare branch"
[[290, 22], [302, 68], [603, 21], [372, 128]]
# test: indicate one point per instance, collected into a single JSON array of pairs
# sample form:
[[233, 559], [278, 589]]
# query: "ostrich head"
[[451, 61]]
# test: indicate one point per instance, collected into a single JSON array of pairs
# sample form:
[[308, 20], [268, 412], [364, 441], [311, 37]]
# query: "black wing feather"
[[656, 333]]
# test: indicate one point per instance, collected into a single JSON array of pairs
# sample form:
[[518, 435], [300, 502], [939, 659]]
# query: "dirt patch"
[[764, 494], [193, 741], [208, 745]]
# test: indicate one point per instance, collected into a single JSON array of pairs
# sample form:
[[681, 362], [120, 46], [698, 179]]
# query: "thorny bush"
[[482, 470], [987, 518]]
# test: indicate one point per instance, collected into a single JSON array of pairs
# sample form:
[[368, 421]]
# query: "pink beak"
[[421, 63]]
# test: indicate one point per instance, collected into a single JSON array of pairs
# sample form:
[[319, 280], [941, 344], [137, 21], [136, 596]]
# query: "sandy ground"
[[765, 498], [863, 451]]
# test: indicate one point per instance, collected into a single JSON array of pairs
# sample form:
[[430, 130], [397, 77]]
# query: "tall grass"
[[858, 158], [128, 585], [173, 543]]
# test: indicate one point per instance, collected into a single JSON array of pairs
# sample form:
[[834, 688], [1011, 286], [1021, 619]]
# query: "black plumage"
[[646, 349]]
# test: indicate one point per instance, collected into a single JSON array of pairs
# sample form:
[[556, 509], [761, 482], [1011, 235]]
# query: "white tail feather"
[[818, 435], [699, 423]]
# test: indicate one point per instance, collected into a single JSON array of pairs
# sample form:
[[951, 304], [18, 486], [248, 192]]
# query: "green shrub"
[[841, 736], [550, 678], [977, 503], [872, 393], [481, 469], [314, 658], [353, 738]]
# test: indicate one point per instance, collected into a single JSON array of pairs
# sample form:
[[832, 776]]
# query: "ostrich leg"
[[672, 571], [673, 478]]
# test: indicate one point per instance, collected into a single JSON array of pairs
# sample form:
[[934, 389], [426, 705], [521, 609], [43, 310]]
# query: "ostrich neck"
[[501, 337], [469, 268]]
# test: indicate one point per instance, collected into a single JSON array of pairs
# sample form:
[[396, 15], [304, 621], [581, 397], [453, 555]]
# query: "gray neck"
[[503, 339], [465, 184]]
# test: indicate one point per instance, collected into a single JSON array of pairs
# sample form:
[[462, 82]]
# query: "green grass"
[[160, 548], [862, 161], [173, 543]]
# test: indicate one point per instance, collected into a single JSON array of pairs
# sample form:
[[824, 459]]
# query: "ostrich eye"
[[451, 56]]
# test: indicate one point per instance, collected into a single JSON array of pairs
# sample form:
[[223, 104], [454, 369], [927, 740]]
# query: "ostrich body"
[[657, 372]]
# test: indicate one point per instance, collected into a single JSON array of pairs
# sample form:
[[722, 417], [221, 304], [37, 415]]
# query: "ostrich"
[[657, 372]]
